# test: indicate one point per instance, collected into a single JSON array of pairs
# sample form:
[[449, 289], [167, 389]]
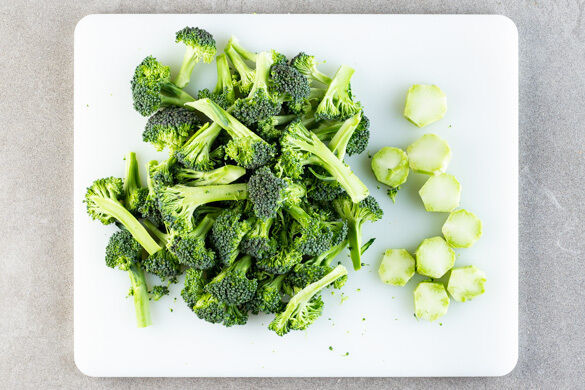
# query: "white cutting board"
[[472, 58]]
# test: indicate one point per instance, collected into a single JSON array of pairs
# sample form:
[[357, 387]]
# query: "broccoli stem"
[[246, 54], [246, 73], [189, 61], [132, 176], [151, 227], [298, 214], [171, 95], [224, 77], [354, 236], [263, 64], [340, 82], [138, 231], [140, 293], [338, 144], [204, 226], [224, 175], [327, 257]]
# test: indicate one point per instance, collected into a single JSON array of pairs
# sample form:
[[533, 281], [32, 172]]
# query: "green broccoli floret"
[[338, 103], [305, 306], [356, 214], [258, 242], [158, 292], [260, 104], [200, 46], [227, 233], [245, 74], [223, 175], [191, 249], [153, 89], [283, 261], [244, 53], [163, 173], [314, 233], [195, 281], [300, 147], [223, 93], [149, 208], [178, 203], [196, 152], [268, 128], [124, 253], [170, 127], [245, 147], [134, 194], [268, 297], [103, 203], [321, 190], [290, 86], [210, 309], [268, 192], [340, 139], [231, 286], [163, 264], [358, 140], [307, 65]]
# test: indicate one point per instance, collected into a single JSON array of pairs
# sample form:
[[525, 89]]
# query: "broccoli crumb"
[[363, 319], [330, 348], [392, 193], [171, 309]]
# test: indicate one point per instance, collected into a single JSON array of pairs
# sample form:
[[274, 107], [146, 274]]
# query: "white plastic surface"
[[474, 61]]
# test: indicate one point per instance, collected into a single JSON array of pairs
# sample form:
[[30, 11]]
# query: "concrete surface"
[[36, 166]]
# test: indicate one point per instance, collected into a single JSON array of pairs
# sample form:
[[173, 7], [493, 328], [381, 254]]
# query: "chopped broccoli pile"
[[255, 200]]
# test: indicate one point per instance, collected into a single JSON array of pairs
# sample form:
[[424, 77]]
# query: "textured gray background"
[[36, 173]]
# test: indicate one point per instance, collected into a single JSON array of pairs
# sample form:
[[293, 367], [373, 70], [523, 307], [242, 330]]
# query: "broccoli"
[[178, 203], [340, 140], [246, 74], [307, 65], [163, 173], [224, 175], [315, 233], [268, 297], [134, 194], [300, 147], [338, 103], [223, 94], [258, 242], [227, 233], [170, 127], [200, 46], [268, 130], [358, 140], [210, 309], [283, 261], [319, 189], [305, 306], [259, 104], [158, 292], [290, 86], [124, 253], [231, 286], [190, 247], [149, 208], [103, 203], [195, 281], [163, 263], [153, 89], [245, 147], [268, 192], [356, 214], [196, 152], [245, 54]]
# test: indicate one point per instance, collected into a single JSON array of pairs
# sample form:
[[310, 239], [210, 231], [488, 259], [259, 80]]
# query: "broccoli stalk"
[[301, 147], [103, 203], [337, 102], [196, 152], [268, 129], [178, 203], [246, 54], [124, 253], [246, 148], [305, 306], [245, 73], [223, 93], [357, 141], [338, 144], [200, 46], [356, 214], [224, 175], [149, 208], [134, 194]]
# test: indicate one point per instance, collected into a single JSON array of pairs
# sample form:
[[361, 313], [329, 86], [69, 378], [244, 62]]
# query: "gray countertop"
[[36, 177]]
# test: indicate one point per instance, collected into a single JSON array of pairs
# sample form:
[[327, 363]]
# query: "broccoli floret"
[[178, 203], [291, 87], [227, 233], [163, 173], [283, 261], [196, 152], [260, 104], [200, 46], [315, 233], [190, 247], [245, 147], [158, 292], [124, 253], [360, 137], [338, 103], [170, 127], [268, 192], [356, 214], [245, 74], [103, 203], [321, 187], [268, 130], [307, 65], [134, 194], [163, 264], [223, 93], [231, 286], [268, 297], [340, 139], [224, 175], [195, 281], [149, 208], [153, 89], [300, 147], [306, 305], [210, 309], [258, 242]]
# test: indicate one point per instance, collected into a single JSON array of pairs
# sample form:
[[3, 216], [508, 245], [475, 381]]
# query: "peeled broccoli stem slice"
[[119, 212], [282, 322], [320, 155], [224, 175], [140, 294], [246, 54]]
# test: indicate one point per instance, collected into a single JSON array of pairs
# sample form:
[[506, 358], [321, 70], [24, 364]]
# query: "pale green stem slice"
[[462, 229], [441, 193], [397, 267], [425, 104], [430, 154], [466, 283], [434, 257], [430, 301], [390, 166]]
